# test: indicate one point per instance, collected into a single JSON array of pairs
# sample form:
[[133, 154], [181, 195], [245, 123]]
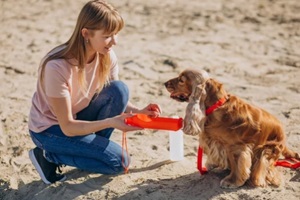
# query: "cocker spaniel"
[[234, 135]]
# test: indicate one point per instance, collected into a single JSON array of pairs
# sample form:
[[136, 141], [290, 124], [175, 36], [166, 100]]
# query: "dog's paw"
[[210, 166], [218, 170], [191, 128], [258, 182], [227, 183]]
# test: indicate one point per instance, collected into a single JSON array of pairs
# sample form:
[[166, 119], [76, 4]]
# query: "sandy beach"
[[252, 47]]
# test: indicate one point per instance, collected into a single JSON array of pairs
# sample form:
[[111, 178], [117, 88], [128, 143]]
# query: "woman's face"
[[101, 42]]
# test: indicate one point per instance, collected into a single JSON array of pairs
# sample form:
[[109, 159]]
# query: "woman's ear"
[[85, 33]]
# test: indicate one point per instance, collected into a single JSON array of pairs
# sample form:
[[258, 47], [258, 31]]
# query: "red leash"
[[288, 162], [208, 111], [202, 169], [124, 145]]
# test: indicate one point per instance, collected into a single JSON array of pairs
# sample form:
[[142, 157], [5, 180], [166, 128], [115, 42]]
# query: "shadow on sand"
[[190, 186]]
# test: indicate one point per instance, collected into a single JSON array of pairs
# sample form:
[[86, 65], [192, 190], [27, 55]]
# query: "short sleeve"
[[56, 80], [114, 69]]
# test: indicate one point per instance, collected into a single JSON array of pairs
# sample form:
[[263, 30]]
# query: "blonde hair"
[[95, 15]]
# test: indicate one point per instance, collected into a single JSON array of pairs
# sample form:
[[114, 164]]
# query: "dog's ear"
[[193, 123]]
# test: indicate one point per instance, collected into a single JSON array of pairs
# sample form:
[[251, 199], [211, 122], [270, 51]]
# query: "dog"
[[234, 134]]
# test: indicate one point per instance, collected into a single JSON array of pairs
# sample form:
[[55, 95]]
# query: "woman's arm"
[[72, 127], [131, 108]]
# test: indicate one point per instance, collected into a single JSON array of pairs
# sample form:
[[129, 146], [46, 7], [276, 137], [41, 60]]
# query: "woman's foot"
[[46, 169]]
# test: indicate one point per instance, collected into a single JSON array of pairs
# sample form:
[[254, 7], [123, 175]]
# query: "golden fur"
[[237, 136]]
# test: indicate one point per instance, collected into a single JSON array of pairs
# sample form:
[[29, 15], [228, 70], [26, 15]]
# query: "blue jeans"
[[93, 152]]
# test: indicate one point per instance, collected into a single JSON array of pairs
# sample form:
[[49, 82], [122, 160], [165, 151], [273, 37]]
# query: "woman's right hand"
[[118, 122]]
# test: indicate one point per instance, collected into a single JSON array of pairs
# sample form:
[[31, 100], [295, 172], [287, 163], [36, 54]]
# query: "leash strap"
[[289, 163], [124, 145], [200, 167]]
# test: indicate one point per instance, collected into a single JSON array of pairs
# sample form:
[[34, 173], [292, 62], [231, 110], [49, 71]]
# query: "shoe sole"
[[38, 168]]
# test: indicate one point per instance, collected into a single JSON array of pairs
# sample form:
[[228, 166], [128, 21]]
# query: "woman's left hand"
[[153, 110]]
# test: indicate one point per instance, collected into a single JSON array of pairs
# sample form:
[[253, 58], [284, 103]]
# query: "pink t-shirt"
[[61, 80]]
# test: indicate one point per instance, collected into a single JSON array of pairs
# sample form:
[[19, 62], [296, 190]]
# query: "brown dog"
[[235, 135]]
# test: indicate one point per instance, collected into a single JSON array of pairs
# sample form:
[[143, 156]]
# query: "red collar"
[[219, 103]]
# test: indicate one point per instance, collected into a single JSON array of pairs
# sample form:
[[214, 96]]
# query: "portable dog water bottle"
[[160, 123], [173, 125]]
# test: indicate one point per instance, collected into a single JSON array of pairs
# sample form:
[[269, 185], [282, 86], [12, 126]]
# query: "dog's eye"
[[180, 80]]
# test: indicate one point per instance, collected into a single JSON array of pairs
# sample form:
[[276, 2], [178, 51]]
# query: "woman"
[[79, 100]]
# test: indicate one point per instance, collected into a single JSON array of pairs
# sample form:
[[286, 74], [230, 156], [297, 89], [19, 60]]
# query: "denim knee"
[[120, 91]]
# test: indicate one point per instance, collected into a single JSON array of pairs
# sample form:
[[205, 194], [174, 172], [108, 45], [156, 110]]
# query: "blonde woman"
[[79, 100]]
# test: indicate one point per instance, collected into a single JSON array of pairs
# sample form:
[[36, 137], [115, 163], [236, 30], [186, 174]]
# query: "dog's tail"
[[263, 171]]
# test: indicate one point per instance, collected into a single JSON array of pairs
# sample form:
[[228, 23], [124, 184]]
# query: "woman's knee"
[[119, 89]]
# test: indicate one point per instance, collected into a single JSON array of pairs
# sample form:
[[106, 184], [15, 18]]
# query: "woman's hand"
[[152, 110], [118, 122]]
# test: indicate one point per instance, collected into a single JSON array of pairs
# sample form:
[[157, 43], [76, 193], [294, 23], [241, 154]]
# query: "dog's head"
[[186, 84], [189, 87]]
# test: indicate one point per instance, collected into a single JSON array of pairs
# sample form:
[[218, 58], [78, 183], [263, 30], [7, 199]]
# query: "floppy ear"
[[194, 114]]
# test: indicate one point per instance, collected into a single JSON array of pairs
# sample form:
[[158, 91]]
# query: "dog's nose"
[[166, 84]]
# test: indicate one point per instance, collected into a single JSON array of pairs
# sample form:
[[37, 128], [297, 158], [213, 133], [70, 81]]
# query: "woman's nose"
[[114, 39]]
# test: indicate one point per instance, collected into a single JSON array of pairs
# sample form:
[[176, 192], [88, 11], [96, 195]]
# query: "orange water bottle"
[[160, 123], [173, 125]]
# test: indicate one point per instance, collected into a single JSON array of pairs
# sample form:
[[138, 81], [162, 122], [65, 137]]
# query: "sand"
[[252, 47]]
